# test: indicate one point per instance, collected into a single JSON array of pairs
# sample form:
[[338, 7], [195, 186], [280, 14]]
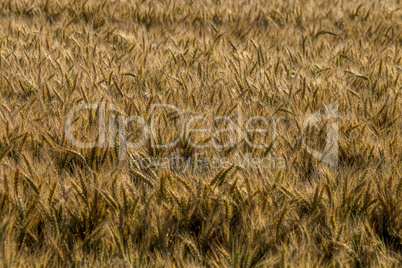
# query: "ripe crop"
[[89, 89]]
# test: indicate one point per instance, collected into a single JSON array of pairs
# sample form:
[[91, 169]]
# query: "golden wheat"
[[114, 206]]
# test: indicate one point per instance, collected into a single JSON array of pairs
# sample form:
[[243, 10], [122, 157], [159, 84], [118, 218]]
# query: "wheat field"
[[112, 205]]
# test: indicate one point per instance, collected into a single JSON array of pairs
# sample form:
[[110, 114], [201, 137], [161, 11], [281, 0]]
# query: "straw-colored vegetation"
[[61, 205]]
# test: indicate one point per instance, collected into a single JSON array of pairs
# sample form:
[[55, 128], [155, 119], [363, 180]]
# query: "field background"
[[65, 206]]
